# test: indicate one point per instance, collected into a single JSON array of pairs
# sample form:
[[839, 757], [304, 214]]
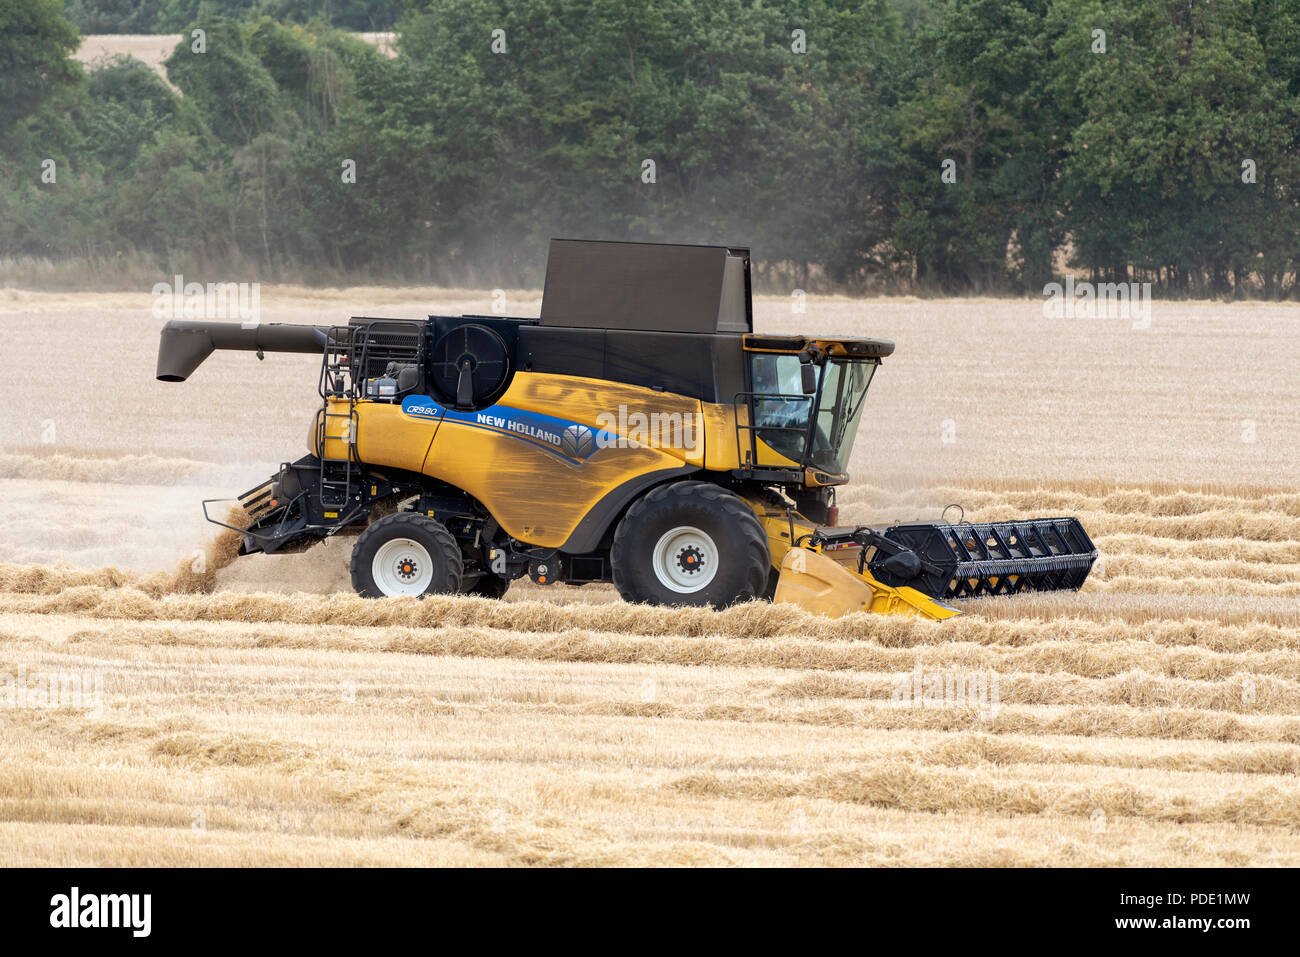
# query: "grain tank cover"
[[647, 287]]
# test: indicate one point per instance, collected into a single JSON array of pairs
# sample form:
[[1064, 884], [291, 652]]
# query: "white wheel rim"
[[685, 559], [402, 567]]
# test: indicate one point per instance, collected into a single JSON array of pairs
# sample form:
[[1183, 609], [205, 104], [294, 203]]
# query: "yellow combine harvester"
[[638, 433]]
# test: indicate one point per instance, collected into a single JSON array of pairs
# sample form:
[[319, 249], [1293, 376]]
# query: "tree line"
[[948, 146]]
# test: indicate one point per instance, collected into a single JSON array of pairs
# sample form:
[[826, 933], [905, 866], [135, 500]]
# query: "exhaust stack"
[[186, 343]]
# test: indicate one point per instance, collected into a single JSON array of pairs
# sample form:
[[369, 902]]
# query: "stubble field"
[[1153, 718]]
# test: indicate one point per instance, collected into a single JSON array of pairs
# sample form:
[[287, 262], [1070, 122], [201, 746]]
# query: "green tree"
[[1184, 94], [228, 84], [113, 16], [35, 47], [129, 105]]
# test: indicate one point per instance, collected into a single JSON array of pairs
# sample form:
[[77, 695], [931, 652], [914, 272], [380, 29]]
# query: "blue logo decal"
[[422, 407], [572, 440]]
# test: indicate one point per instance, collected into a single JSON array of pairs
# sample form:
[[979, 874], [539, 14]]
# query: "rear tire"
[[690, 543], [406, 554]]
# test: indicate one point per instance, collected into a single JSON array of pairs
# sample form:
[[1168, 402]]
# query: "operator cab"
[[805, 401]]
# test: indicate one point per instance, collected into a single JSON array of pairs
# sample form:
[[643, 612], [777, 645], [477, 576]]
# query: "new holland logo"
[[577, 441]]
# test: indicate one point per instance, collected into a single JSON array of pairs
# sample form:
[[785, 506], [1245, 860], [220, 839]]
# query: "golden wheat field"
[[258, 713]]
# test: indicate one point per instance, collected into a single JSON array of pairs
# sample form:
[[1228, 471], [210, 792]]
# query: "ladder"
[[337, 375], [354, 355]]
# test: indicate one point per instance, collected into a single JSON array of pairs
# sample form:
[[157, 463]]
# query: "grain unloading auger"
[[638, 433]]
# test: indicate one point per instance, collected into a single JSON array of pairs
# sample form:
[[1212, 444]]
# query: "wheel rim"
[[685, 559], [402, 566]]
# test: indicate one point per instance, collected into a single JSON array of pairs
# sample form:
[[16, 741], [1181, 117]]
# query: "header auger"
[[638, 433]]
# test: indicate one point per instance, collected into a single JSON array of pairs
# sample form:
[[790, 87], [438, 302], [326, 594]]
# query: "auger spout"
[[186, 343]]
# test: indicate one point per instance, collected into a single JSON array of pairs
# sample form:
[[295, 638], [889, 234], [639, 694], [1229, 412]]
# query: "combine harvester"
[[638, 433]]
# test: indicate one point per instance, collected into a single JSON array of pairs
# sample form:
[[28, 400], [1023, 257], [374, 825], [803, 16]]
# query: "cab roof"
[[840, 348]]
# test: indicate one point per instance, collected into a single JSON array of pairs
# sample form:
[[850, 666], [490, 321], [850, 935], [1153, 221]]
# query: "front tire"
[[690, 543], [406, 554]]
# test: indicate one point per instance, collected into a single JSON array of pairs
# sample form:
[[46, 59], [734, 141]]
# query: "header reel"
[[918, 568]]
